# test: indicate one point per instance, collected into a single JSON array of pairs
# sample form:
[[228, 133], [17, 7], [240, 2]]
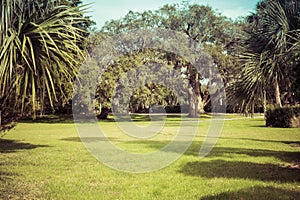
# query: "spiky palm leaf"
[[39, 49], [269, 46]]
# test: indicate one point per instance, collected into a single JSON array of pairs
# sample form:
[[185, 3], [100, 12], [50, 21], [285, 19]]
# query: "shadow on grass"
[[158, 117], [87, 139], [6, 176], [50, 119], [217, 152], [285, 156], [9, 146], [68, 119], [64, 119], [224, 152], [256, 193], [244, 170], [290, 143], [259, 126]]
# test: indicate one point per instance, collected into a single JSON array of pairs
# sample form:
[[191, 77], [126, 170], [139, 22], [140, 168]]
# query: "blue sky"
[[104, 10]]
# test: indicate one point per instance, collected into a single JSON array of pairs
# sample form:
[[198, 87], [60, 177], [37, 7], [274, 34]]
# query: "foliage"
[[177, 109], [41, 46], [128, 79], [285, 117], [200, 24], [269, 46]]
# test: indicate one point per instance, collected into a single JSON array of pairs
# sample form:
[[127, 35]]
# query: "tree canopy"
[[200, 24]]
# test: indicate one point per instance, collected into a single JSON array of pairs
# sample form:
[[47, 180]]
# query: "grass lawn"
[[46, 160]]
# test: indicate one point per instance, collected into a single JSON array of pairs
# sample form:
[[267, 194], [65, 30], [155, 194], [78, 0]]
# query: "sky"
[[105, 10]]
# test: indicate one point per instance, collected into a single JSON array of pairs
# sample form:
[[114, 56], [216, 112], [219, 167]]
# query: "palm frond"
[[40, 46]]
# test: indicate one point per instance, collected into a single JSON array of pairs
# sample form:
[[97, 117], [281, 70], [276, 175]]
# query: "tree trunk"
[[0, 119], [200, 104], [289, 96], [265, 104], [195, 100], [103, 113], [193, 103], [277, 94], [264, 101]]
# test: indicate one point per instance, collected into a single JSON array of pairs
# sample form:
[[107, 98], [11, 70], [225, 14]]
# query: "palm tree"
[[268, 47], [40, 50]]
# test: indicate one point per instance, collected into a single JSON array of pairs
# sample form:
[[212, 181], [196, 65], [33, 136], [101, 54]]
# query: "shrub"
[[177, 109], [286, 117], [170, 109]]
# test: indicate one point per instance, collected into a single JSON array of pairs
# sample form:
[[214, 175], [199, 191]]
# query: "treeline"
[[43, 44], [257, 56]]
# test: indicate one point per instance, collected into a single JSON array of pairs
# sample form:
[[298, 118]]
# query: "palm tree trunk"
[[0, 119], [277, 94], [265, 103]]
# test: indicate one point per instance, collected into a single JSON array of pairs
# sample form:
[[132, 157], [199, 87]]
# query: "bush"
[[286, 117], [177, 109], [171, 109]]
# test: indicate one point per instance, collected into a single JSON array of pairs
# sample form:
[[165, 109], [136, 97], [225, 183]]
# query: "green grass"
[[46, 160]]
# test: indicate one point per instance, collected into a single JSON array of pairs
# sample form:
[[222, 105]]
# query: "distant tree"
[[125, 74], [40, 50], [200, 24]]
